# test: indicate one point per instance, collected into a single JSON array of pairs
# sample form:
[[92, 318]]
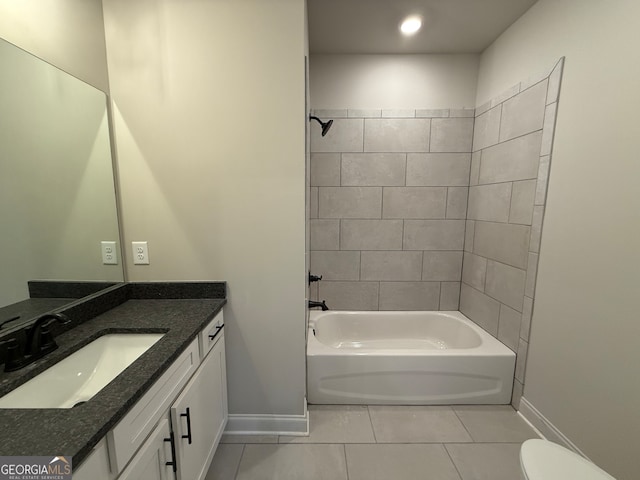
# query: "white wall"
[[67, 33], [585, 339], [209, 124], [393, 81]]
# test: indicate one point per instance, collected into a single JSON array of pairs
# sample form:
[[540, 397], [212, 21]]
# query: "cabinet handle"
[[173, 452], [188, 415], [218, 330]]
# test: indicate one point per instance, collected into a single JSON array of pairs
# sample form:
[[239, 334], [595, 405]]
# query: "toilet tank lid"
[[544, 460]]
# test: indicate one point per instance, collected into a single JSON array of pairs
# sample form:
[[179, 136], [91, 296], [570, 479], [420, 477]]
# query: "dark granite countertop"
[[76, 431]]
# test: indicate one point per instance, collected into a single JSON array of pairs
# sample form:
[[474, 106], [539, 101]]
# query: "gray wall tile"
[[451, 134], [373, 169], [523, 113], [527, 312], [457, 202], [506, 284], [502, 242], [449, 295], [349, 202], [371, 235], [555, 79], [433, 234], [398, 113], [506, 95], [396, 135], [521, 360], [513, 160], [474, 271], [409, 295], [325, 169], [543, 179], [335, 265], [414, 202], [509, 327], [490, 202], [532, 273], [349, 295], [313, 202], [432, 112], [438, 169], [365, 113], [549, 129], [469, 232], [522, 197], [516, 396], [536, 229], [326, 114], [487, 129], [482, 309], [325, 234], [391, 266], [442, 266], [346, 135], [474, 175], [462, 112]]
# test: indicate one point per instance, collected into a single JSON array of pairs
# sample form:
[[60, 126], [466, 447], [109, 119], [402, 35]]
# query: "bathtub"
[[405, 358]]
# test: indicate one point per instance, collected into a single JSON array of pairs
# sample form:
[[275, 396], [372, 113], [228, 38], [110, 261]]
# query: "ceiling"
[[371, 26]]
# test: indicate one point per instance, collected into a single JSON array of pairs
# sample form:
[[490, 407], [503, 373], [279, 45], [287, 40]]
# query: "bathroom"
[[208, 111]]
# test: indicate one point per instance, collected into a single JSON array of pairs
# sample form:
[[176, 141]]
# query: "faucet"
[[321, 304], [39, 342]]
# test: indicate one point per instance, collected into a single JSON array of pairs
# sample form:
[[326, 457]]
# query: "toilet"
[[544, 460]]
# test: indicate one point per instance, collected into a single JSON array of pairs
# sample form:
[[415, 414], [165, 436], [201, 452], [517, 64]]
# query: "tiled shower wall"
[[388, 207], [509, 174]]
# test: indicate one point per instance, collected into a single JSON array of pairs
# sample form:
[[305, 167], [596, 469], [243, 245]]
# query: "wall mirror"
[[57, 194]]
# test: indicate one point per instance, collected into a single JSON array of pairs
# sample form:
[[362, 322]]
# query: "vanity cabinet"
[[188, 403], [198, 416]]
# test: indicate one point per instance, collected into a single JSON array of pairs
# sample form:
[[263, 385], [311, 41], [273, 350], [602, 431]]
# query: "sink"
[[78, 377]]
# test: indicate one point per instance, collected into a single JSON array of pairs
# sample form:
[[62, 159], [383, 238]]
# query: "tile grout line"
[[373, 430], [346, 463], [463, 425], [235, 476], [452, 461]]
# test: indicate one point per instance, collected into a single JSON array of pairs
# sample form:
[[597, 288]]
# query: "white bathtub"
[[405, 358]]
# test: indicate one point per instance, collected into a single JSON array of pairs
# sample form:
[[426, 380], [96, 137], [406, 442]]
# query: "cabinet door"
[[150, 463], [199, 415]]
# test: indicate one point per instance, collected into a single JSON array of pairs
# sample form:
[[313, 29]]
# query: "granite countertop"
[[76, 431]]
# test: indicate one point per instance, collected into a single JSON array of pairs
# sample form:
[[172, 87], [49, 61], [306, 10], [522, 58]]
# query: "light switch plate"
[[140, 253], [109, 255]]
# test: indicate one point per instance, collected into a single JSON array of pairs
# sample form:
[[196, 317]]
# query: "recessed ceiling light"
[[411, 25]]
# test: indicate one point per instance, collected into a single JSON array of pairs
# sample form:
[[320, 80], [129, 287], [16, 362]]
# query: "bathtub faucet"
[[321, 304], [314, 278]]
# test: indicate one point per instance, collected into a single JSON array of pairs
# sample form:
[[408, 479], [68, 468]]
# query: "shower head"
[[325, 125]]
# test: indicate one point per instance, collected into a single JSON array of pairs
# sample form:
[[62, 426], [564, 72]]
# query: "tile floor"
[[354, 442]]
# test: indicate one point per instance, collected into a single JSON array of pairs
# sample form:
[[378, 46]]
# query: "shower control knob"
[[314, 278]]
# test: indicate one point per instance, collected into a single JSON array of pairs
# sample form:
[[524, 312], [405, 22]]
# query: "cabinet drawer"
[[129, 434], [211, 334]]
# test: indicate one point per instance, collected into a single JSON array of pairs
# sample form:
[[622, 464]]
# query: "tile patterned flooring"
[[353, 442]]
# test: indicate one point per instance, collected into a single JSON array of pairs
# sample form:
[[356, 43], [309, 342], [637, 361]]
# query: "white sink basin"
[[81, 375]]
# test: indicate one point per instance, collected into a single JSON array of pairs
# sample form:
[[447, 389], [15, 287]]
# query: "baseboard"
[[269, 424], [547, 429]]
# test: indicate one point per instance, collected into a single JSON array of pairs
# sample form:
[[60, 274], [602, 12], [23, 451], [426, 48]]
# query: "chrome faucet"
[[321, 304]]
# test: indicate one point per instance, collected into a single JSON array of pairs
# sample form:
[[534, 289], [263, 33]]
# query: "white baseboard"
[[547, 429], [269, 424]]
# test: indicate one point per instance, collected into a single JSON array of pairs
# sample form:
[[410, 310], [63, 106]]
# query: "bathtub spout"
[[321, 304]]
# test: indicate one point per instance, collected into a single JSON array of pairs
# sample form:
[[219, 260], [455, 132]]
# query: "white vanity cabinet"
[[153, 460], [173, 431], [198, 416]]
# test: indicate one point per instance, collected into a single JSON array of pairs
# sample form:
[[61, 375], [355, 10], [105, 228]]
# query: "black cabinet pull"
[[173, 452], [218, 330], [188, 415]]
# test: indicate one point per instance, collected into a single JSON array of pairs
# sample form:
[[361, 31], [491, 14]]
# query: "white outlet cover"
[[140, 253], [109, 254]]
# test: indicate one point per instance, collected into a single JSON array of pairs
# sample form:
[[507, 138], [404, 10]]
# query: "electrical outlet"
[[140, 253], [109, 256]]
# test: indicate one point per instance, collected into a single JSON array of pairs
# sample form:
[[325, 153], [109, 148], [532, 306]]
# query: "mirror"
[[57, 194]]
